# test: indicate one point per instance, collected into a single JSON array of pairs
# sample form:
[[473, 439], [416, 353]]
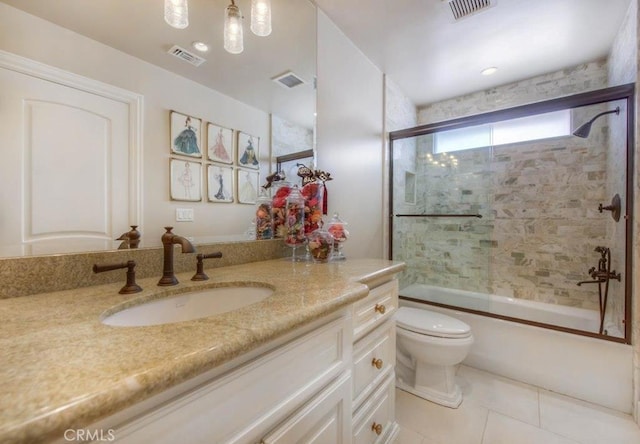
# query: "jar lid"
[[336, 220]]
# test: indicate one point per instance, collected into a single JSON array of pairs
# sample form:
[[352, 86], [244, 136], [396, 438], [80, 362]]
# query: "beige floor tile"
[[438, 424], [585, 422], [503, 429], [408, 436], [497, 410], [506, 396]]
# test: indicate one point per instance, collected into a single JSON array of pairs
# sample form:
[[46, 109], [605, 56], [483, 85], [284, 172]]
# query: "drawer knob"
[[377, 363], [376, 428], [380, 308]]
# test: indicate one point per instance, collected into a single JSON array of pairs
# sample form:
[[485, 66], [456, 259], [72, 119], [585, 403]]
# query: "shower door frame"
[[622, 92]]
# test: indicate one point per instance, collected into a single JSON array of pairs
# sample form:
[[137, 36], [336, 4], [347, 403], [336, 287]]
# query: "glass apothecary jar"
[[337, 228], [294, 221], [264, 216], [313, 194], [320, 245], [281, 191]]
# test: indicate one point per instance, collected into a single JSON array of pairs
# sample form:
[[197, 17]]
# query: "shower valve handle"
[[615, 207]]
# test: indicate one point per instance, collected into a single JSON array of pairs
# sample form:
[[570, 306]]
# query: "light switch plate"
[[184, 214]]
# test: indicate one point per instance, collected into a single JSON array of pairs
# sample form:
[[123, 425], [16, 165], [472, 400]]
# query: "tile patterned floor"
[[497, 410]]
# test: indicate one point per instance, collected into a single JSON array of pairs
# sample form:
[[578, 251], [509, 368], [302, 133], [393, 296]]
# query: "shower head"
[[584, 130]]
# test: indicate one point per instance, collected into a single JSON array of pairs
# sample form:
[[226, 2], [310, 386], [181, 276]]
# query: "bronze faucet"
[[603, 273], [168, 241], [130, 239], [200, 274], [130, 286]]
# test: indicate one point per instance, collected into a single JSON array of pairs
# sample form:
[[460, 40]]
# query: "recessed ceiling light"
[[489, 71], [200, 46]]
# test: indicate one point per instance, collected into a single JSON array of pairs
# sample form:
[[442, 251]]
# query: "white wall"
[[350, 141], [36, 39]]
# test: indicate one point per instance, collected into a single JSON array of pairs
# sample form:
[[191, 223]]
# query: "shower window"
[[523, 222], [523, 129]]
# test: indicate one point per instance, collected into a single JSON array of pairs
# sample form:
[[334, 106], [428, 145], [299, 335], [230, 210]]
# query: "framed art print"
[[220, 143], [219, 183], [248, 183], [186, 180], [185, 135], [248, 150]]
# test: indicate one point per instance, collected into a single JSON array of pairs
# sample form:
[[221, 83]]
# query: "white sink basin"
[[188, 306]]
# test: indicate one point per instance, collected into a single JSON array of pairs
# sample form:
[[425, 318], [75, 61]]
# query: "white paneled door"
[[67, 159]]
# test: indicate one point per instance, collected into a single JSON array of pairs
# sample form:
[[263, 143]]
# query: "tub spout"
[[599, 281]]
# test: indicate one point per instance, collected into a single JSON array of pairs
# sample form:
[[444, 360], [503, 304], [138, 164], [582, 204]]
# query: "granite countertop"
[[62, 368]]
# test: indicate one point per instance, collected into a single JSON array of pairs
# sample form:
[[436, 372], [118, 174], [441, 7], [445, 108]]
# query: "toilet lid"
[[431, 323]]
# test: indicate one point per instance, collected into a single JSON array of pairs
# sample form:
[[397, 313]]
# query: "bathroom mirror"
[[253, 80], [519, 210], [118, 24]]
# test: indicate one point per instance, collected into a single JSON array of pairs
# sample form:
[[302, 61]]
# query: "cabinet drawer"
[[376, 308], [243, 405], [326, 419], [375, 421], [373, 358]]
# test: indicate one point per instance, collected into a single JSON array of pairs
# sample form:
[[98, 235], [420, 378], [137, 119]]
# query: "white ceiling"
[[416, 43], [431, 57], [137, 27]]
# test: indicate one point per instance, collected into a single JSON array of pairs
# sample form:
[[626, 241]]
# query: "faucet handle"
[[130, 286], [200, 274], [616, 276]]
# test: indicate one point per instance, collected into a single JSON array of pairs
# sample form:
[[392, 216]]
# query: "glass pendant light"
[[233, 29], [261, 17], [176, 13]]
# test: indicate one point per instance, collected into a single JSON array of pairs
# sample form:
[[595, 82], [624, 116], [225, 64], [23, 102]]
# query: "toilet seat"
[[431, 323]]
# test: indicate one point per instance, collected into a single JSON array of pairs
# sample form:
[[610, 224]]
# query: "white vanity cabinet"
[[374, 357], [298, 392], [331, 382]]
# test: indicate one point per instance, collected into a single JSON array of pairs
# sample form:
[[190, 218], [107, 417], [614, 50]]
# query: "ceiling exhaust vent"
[[288, 80], [187, 56], [464, 8]]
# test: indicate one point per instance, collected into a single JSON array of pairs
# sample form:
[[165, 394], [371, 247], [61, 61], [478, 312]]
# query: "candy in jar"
[[320, 244], [337, 228]]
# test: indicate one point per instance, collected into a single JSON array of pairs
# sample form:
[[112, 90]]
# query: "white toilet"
[[429, 347]]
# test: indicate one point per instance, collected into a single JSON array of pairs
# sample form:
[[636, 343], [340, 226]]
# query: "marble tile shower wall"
[[539, 203], [622, 69], [616, 184], [454, 250], [546, 220], [539, 228], [585, 77]]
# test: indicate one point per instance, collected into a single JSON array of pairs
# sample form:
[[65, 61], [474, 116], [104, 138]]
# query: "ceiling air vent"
[[187, 56], [288, 80], [464, 8]]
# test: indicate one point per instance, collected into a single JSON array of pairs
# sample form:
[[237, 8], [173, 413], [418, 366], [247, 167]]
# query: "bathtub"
[[582, 367]]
